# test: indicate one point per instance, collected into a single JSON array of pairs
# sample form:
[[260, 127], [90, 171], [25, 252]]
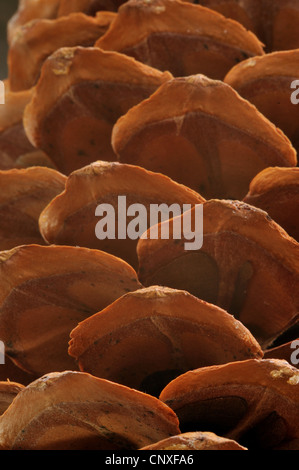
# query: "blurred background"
[[7, 9]]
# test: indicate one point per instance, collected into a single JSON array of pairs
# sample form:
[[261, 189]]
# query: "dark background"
[[7, 9]]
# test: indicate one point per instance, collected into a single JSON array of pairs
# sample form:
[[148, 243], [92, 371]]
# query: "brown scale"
[[266, 83], [275, 22], [276, 191], [179, 37], [195, 441], [70, 219], [24, 193], [29, 10], [76, 411], [15, 149], [42, 37], [46, 291], [184, 130], [79, 97], [254, 402], [248, 265], [148, 337]]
